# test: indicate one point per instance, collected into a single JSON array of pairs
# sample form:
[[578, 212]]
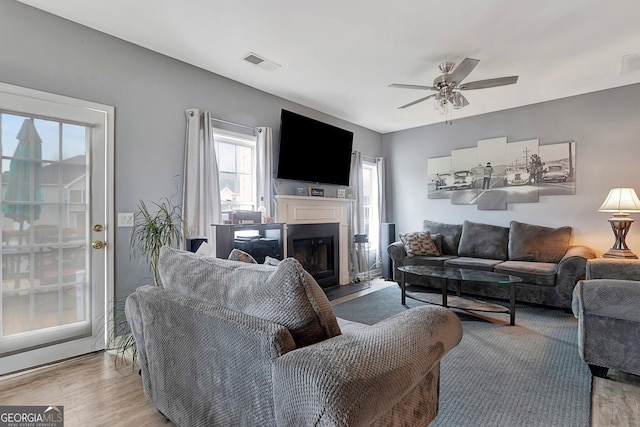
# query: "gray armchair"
[[236, 344], [607, 306]]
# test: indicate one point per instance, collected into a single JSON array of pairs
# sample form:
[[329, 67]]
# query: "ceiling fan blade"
[[482, 84], [402, 86], [458, 100], [416, 102], [462, 70]]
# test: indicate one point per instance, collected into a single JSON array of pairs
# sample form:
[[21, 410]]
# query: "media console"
[[259, 240]]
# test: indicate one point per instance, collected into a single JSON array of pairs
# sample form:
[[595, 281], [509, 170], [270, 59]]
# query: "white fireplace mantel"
[[318, 210]]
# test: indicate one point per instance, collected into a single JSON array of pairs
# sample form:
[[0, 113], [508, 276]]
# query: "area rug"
[[526, 375], [339, 291]]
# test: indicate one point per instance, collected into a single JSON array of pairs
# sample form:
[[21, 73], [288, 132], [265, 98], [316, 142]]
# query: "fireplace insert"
[[315, 246]]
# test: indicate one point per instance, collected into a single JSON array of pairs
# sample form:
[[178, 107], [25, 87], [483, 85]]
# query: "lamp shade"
[[623, 200]]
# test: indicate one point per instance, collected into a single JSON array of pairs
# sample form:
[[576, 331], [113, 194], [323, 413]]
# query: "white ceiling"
[[339, 56]]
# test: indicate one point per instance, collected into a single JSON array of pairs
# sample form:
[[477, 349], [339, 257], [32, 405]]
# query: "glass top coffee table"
[[460, 276]]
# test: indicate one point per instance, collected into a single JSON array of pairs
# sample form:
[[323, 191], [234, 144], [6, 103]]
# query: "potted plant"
[[154, 229]]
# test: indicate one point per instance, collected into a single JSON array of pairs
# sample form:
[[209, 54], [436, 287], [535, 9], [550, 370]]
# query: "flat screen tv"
[[313, 151]]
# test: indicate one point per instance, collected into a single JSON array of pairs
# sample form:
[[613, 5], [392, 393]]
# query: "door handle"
[[97, 244]]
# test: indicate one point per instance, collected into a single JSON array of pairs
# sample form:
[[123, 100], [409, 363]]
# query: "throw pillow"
[[285, 294], [242, 256], [536, 243], [419, 243]]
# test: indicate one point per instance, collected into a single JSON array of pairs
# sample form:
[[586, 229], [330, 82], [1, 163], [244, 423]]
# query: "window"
[[76, 196], [370, 193], [236, 156]]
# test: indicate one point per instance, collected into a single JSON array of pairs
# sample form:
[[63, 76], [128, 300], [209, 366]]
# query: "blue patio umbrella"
[[23, 187]]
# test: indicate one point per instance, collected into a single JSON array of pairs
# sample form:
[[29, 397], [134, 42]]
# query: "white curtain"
[[264, 160], [357, 209], [201, 189], [382, 202]]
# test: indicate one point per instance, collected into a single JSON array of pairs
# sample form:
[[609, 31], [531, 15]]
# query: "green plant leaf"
[[153, 229]]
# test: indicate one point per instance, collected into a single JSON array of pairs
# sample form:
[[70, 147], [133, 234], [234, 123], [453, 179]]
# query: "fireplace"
[[316, 211], [315, 246]]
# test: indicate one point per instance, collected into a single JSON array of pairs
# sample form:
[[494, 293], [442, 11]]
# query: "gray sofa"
[[607, 306], [543, 257], [231, 343]]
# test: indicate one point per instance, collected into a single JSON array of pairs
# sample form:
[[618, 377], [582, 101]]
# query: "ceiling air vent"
[[261, 62], [630, 64]]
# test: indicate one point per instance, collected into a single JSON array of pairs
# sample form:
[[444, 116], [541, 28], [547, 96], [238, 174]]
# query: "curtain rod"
[[371, 158], [234, 124]]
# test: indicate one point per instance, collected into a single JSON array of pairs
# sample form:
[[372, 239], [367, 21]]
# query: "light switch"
[[125, 219]]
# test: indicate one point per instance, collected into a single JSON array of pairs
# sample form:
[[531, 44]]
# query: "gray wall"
[[149, 92], [605, 126]]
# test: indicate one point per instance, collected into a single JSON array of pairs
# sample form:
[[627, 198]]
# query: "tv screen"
[[313, 151]]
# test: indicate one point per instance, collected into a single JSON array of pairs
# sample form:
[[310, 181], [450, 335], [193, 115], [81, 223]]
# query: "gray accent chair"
[[607, 306], [232, 343]]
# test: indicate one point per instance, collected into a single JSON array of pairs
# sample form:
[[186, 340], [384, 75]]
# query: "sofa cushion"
[[450, 235], [484, 241], [537, 273], [437, 240], [431, 261], [285, 294], [419, 243], [536, 243], [473, 263]]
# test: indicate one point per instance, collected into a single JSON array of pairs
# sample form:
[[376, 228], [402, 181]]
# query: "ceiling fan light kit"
[[449, 84]]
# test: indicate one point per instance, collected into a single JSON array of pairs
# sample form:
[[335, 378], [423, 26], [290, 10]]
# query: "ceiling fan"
[[449, 83]]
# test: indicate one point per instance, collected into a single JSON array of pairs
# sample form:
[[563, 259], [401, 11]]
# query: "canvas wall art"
[[496, 173]]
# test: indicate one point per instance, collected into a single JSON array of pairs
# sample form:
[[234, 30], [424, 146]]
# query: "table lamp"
[[620, 201]]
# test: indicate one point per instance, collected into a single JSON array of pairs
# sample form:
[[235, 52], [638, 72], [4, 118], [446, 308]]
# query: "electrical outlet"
[[125, 219]]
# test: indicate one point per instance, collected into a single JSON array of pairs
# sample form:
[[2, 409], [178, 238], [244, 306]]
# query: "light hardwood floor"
[[95, 392], [615, 401]]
